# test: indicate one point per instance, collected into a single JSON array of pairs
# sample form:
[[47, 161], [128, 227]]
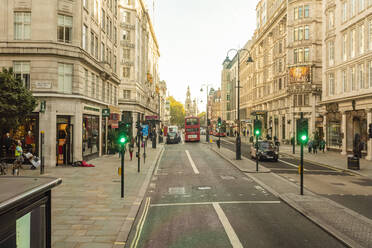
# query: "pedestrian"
[[315, 146], [131, 147], [310, 145], [18, 152], [322, 145]]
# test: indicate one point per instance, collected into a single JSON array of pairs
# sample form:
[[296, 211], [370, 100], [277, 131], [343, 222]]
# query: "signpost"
[[106, 112]]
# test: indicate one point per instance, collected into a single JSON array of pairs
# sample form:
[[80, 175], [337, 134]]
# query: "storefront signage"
[[43, 85], [105, 112], [151, 117], [259, 112], [299, 74], [91, 109], [145, 130]]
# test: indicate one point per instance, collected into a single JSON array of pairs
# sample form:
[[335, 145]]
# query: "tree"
[[177, 112], [16, 102]]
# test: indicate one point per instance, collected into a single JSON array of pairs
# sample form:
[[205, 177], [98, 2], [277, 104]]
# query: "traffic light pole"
[[256, 148], [122, 170], [302, 161]]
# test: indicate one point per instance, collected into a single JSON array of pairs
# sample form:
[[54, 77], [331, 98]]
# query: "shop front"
[[91, 136], [356, 129], [334, 134], [64, 151]]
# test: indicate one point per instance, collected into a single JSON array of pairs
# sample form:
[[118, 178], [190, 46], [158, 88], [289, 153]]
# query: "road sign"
[[145, 130], [106, 112]]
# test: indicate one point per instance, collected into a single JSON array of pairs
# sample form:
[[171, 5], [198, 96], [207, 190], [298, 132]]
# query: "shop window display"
[[90, 135]]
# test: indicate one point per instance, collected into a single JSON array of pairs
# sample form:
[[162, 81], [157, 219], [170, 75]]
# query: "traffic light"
[[208, 122], [302, 131], [124, 130], [219, 122], [257, 127]]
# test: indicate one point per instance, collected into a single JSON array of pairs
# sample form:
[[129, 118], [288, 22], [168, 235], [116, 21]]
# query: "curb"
[[236, 166], [327, 166], [127, 226]]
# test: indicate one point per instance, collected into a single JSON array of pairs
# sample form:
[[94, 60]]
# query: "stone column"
[[47, 123], [325, 130], [78, 133], [369, 142], [343, 128]]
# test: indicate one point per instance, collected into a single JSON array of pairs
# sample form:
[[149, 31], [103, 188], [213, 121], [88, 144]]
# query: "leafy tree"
[[16, 102], [177, 112]]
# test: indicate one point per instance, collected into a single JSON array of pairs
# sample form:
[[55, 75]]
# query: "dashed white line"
[[209, 203], [234, 240], [196, 171]]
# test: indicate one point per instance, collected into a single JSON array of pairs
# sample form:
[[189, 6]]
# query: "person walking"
[[310, 146], [131, 148], [315, 146], [322, 145]]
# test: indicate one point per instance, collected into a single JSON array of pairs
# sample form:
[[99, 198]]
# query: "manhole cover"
[[176, 191], [227, 177], [204, 188]]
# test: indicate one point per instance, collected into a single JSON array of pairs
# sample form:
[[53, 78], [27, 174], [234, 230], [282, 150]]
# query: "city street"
[[350, 190], [197, 199]]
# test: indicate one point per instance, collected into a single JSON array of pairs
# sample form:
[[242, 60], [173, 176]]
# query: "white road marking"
[[210, 203], [234, 240], [227, 141], [141, 223], [158, 164], [196, 171], [293, 165]]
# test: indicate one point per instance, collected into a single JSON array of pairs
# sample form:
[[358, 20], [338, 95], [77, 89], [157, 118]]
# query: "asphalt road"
[[197, 199], [352, 191]]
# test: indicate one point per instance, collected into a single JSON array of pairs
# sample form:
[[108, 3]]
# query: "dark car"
[[173, 138], [266, 150]]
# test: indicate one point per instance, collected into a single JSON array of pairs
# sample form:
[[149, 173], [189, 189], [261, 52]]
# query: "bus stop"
[[25, 211]]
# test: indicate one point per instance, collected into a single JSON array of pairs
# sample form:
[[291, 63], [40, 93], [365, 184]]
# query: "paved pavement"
[[87, 210], [350, 227]]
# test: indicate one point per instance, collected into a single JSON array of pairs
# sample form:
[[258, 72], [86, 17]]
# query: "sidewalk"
[[329, 158], [346, 225], [87, 209]]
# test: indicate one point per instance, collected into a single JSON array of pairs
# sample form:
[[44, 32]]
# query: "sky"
[[194, 37]]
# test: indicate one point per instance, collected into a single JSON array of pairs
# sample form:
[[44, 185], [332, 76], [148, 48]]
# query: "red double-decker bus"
[[192, 128]]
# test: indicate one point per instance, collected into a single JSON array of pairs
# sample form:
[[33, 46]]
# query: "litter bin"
[[353, 162]]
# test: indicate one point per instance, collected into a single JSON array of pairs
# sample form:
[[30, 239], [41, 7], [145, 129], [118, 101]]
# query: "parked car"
[[173, 138], [266, 150]]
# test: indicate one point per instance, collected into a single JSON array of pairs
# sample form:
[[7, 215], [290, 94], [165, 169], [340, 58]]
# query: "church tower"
[[188, 103]]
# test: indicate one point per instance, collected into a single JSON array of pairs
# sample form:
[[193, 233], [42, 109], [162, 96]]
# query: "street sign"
[[106, 112], [145, 130]]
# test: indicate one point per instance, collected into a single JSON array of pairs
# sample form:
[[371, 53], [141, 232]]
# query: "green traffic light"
[[122, 140], [257, 132], [303, 137]]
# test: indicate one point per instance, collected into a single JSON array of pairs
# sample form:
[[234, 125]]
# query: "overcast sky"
[[194, 37]]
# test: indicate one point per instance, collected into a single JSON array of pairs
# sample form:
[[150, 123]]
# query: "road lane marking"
[[293, 165], [234, 240], [158, 164], [227, 141], [140, 224], [211, 203], [196, 171]]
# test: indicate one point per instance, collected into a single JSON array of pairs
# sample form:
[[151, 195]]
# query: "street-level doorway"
[[64, 151]]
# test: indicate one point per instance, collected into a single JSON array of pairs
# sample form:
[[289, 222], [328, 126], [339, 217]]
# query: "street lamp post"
[[249, 60], [207, 133]]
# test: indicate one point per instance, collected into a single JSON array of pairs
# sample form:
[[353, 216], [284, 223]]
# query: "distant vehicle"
[[266, 150], [203, 131], [173, 129], [173, 137], [192, 129]]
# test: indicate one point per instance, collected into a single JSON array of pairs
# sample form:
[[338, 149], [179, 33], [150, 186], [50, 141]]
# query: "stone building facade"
[[347, 74], [285, 76], [139, 93], [68, 59]]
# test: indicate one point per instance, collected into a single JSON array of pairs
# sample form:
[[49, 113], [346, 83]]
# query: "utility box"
[[25, 211], [353, 162]]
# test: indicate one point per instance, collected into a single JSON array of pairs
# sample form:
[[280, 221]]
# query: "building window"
[[295, 56], [344, 81], [85, 3], [300, 33], [300, 12], [85, 37], [103, 91], [331, 20], [352, 78], [115, 64], [108, 30], [126, 72], [98, 82], [331, 84], [125, 15], [103, 52], [344, 45], [126, 53], [115, 95], [22, 71], [370, 34], [344, 11], [22, 25], [64, 28], [96, 9], [306, 32], [86, 80], [65, 78], [126, 35], [96, 46], [295, 13], [361, 76], [361, 5], [370, 73], [352, 8], [300, 55], [331, 51], [295, 34], [361, 39], [92, 43], [115, 35], [306, 11], [103, 20], [126, 94], [306, 99], [93, 87], [352, 43]]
